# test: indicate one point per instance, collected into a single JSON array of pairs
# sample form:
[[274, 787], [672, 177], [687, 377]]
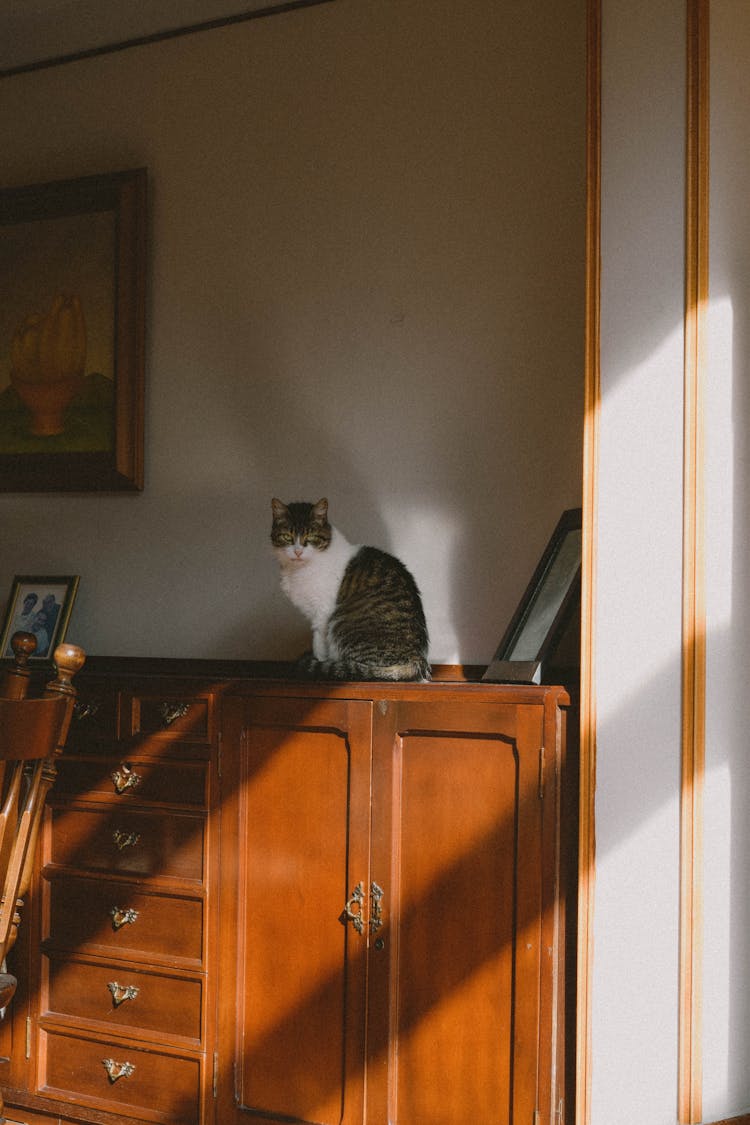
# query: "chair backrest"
[[32, 734]]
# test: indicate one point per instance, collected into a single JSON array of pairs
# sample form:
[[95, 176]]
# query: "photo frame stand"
[[545, 615], [514, 672]]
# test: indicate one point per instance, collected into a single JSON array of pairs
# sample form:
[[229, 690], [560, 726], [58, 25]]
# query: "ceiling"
[[35, 33]]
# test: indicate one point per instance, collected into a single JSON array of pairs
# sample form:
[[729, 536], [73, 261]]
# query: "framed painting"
[[72, 324], [40, 606], [546, 610]]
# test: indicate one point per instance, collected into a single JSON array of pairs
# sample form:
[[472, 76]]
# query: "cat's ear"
[[279, 510], [320, 510]]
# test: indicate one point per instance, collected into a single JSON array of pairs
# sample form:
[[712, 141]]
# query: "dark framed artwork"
[[72, 325], [42, 606], [546, 610]]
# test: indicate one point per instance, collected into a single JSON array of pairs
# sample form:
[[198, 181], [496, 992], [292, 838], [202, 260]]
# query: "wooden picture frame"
[[545, 610], [40, 605], [72, 328]]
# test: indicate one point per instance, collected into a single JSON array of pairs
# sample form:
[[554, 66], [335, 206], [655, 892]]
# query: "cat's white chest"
[[313, 585]]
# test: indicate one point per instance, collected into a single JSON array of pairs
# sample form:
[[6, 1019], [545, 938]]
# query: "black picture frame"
[[546, 610], [73, 271], [34, 593]]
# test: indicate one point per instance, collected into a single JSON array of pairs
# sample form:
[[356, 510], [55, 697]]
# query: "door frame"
[[693, 656]]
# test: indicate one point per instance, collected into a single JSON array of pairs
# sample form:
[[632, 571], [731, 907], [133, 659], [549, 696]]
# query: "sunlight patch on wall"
[[408, 531], [717, 802], [638, 641], [640, 567], [636, 894], [725, 977], [720, 463]]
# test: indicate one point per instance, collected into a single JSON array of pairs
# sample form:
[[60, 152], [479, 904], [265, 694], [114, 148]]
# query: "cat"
[[365, 609]]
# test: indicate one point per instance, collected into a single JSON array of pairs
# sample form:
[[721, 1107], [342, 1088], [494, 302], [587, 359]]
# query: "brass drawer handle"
[[117, 1070], [122, 917], [125, 839], [122, 992], [171, 711], [376, 908], [87, 710], [352, 912], [125, 778]]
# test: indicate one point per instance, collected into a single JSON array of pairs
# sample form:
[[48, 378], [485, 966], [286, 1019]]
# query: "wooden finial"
[[68, 659], [15, 680], [24, 646]]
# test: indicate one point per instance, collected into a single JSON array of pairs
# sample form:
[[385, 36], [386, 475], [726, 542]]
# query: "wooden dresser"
[[264, 901]]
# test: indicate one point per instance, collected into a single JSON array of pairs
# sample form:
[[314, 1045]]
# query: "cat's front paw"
[[305, 667]]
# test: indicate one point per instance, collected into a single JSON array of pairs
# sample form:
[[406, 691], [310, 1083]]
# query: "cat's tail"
[[417, 670], [414, 670]]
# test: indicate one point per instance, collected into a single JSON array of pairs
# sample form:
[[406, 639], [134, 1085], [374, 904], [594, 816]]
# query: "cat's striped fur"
[[363, 604]]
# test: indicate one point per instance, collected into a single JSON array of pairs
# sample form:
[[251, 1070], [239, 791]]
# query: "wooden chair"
[[32, 734]]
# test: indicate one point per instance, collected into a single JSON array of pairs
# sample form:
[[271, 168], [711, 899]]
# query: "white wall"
[[638, 636], [366, 282], [726, 1003], [637, 644]]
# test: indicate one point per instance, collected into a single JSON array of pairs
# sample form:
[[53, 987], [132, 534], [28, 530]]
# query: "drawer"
[[149, 1084], [123, 919], [189, 719], [30, 1117], [94, 714], [126, 842], [127, 780], [125, 999]]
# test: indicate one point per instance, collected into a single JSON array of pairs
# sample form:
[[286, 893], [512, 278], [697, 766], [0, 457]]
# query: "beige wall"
[[639, 565], [365, 282], [726, 1004]]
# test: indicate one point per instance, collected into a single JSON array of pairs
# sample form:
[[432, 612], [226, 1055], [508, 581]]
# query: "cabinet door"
[[464, 851], [295, 835]]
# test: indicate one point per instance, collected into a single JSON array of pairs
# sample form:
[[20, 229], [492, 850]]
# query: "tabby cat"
[[363, 604]]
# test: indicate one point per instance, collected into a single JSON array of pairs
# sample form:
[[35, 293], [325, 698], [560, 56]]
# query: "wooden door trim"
[[690, 1076], [592, 407]]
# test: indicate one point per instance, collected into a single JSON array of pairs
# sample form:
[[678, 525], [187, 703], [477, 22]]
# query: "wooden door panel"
[[442, 1011], [304, 796], [455, 1024], [455, 949]]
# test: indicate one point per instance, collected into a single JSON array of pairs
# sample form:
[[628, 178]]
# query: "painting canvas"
[[71, 334]]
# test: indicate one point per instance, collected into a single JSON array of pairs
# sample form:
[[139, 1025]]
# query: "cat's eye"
[[285, 538]]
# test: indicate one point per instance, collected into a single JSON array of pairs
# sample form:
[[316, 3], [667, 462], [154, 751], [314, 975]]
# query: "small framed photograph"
[[546, 609], [42, 606]]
